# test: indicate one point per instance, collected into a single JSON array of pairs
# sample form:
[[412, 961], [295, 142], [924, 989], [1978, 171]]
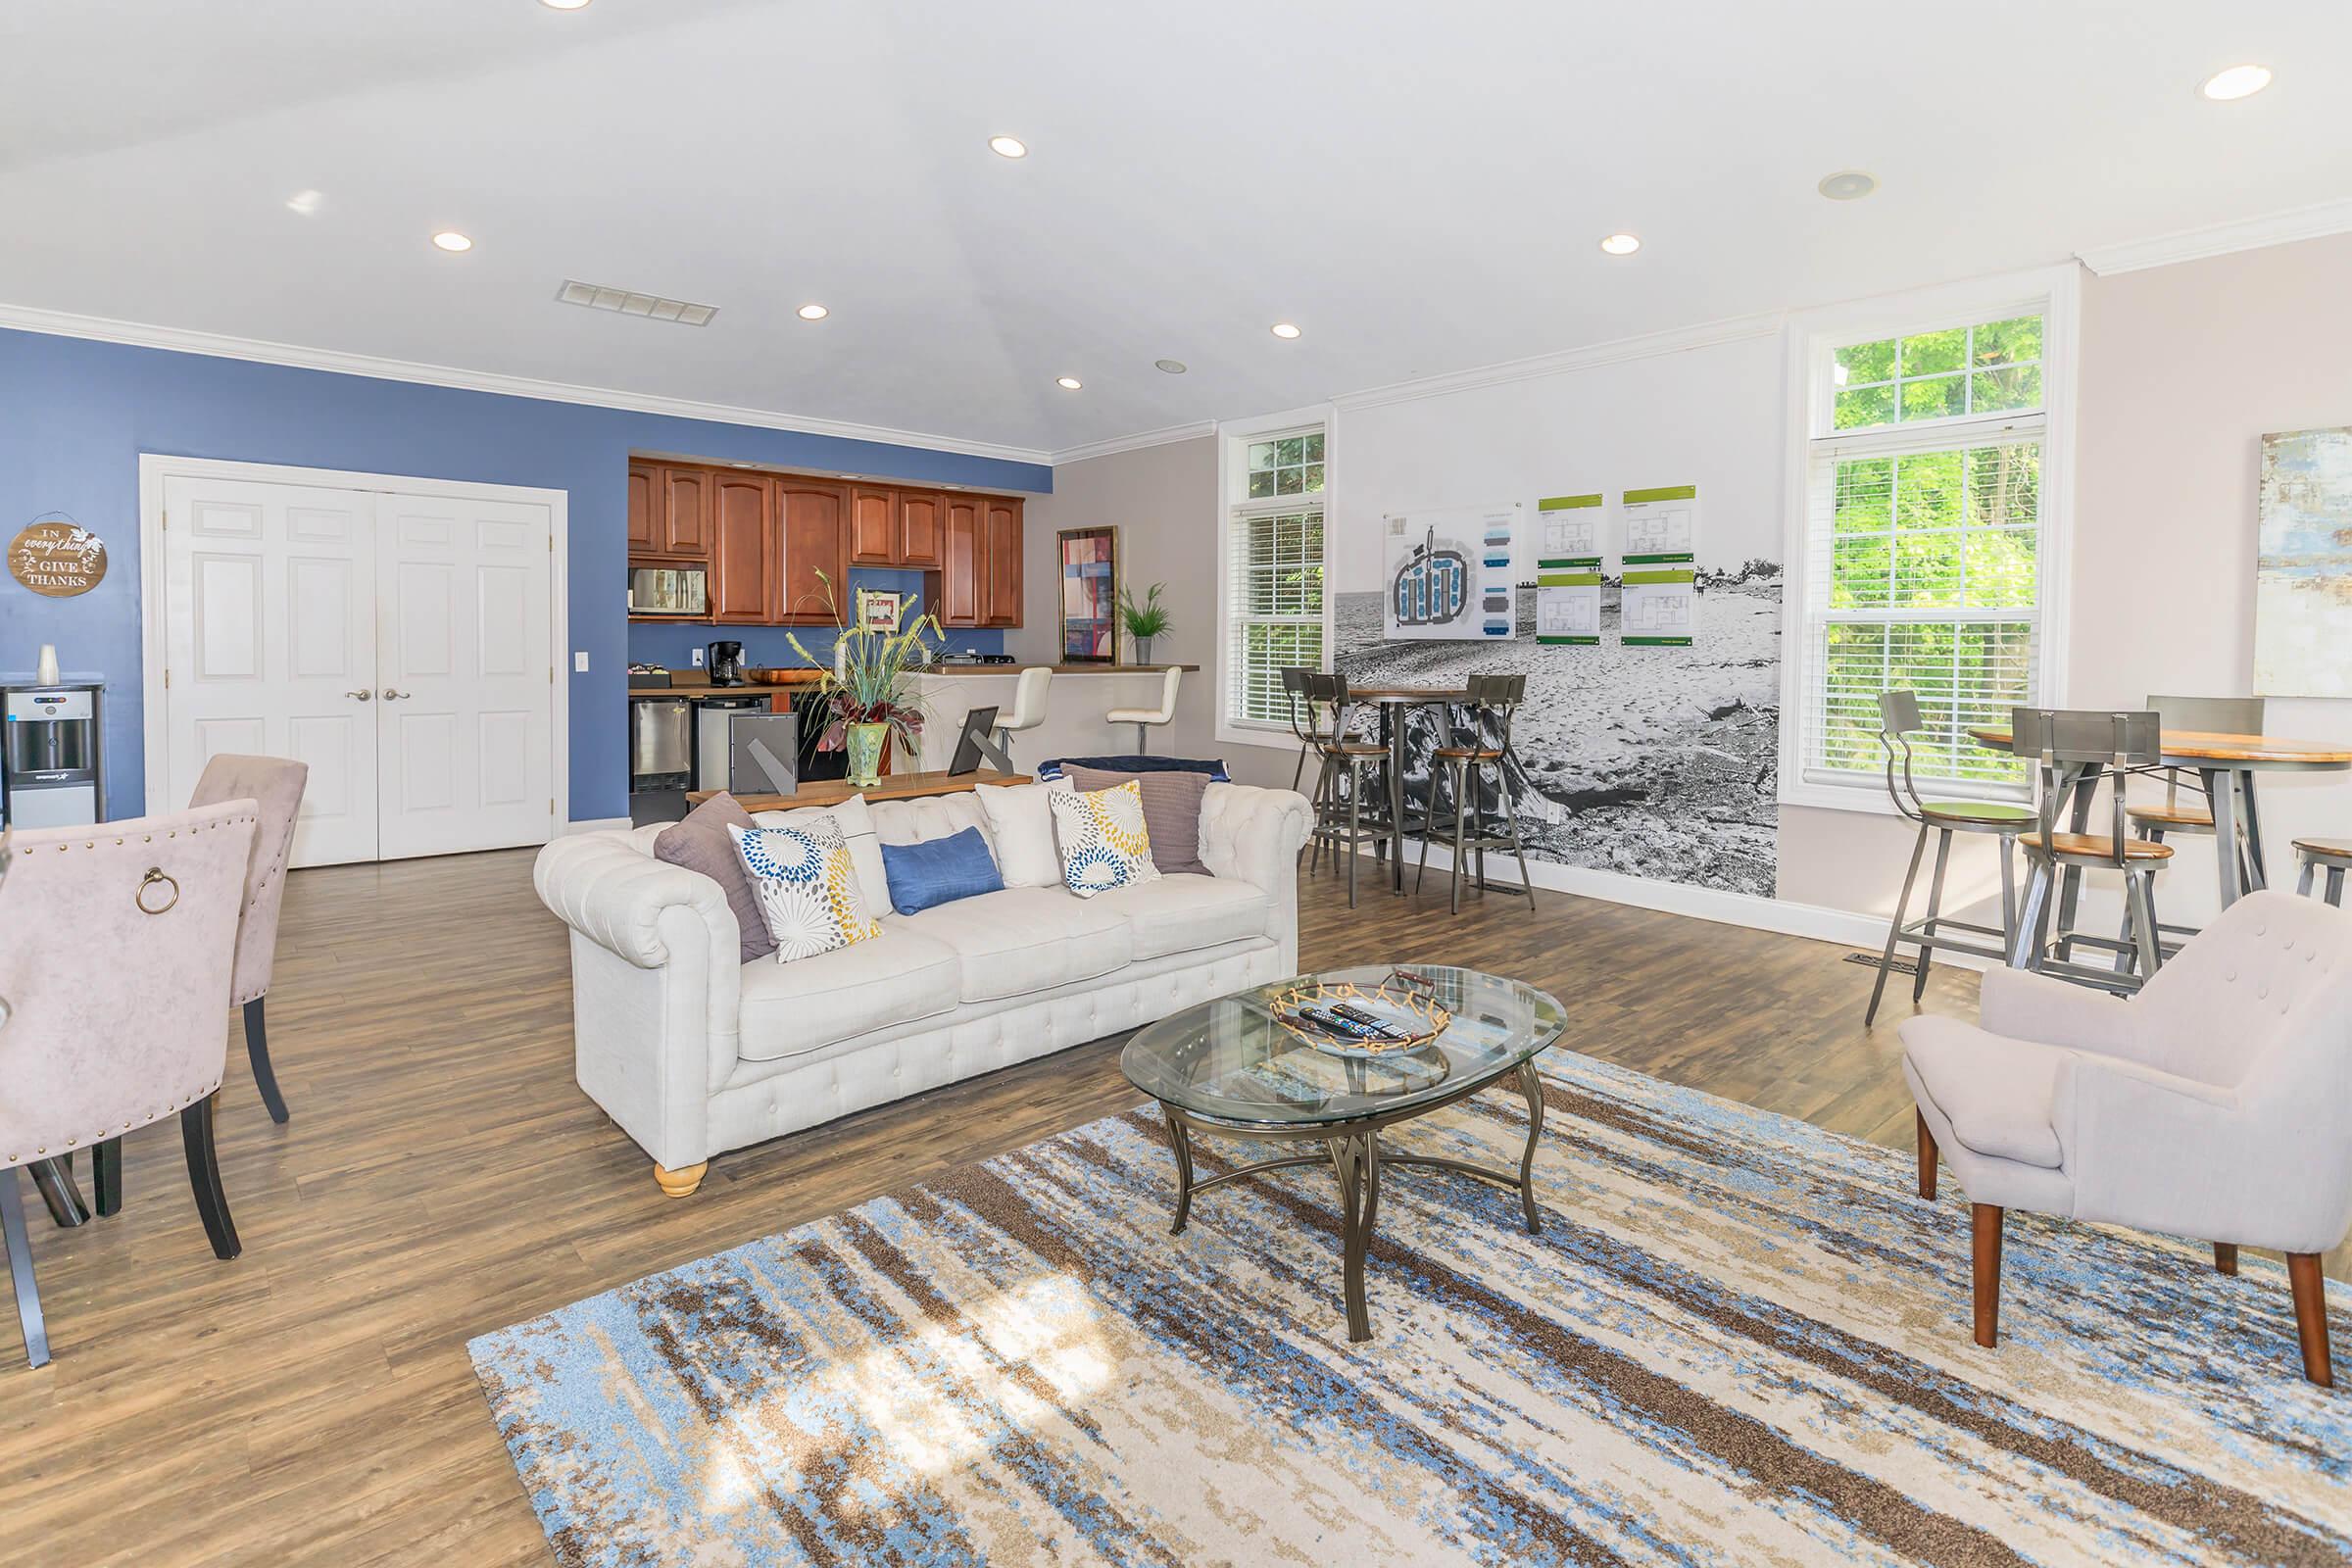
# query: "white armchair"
[[2212, 1103]]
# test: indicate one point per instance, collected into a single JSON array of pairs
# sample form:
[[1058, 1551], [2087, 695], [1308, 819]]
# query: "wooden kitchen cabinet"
[[1001, 562], [743, 549], [642, 504], [873, 526], [683, 512], [816, 533], [921, 521], [959, 567]]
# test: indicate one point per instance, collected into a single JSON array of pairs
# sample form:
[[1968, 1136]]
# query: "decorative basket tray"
[[1345, 1019]]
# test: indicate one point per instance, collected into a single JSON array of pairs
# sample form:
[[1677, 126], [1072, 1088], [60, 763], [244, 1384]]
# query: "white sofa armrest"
[[657, 987], [1253, 835]]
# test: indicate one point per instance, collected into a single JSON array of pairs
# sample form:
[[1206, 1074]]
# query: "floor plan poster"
[[1660, 600], [1568, 600], [1571, 526], [1451, 574]]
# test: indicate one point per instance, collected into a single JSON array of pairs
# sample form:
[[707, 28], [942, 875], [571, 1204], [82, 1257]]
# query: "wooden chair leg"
[[106, 1175], [257, 1048], [2310, 1288], [19, 1246], [1927, 1157], [1985, 1220], [204, 1177], [2225, 1257]]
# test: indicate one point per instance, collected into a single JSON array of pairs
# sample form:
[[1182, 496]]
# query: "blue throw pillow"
[[1048, 771], [939, 870]]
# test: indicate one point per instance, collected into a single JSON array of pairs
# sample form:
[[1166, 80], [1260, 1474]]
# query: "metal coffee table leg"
[[1531, 1084], [1357, 1161], [1180, 1144]]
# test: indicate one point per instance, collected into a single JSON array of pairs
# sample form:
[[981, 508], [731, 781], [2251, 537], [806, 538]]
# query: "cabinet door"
[[1001, 554], [743, 547], [643, 502], [873, 526], [920, 517], [959, 561], [682, 521], [815, 540]]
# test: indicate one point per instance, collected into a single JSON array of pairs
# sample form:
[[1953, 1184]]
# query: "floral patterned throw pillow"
[[1104, 841], [806, 886]]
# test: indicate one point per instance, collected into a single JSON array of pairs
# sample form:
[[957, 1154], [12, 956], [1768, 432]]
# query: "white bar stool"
[[1028, 706], [1142, 719]]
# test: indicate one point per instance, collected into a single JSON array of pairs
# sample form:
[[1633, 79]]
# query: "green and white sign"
[[1659, 604]]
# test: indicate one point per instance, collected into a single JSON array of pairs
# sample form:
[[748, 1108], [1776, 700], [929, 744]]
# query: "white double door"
[[397, 643]]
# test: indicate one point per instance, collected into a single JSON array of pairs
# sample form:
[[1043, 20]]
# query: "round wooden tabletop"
[[1408, 694], [2206, 746]]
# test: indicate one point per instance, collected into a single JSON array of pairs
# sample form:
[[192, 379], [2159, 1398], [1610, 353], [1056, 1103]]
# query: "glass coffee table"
[[1234, 1068]]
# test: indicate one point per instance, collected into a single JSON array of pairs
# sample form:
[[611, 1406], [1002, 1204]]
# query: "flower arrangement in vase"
[[864, 689]]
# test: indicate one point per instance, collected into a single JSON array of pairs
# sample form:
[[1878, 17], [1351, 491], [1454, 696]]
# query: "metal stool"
[[2190, 818], [1493, 699], [2070, 750], [1345, 823], [1307, 721], [2332, 856], [1898, 720]]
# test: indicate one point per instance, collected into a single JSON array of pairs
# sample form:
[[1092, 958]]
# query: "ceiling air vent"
[[629, 301]]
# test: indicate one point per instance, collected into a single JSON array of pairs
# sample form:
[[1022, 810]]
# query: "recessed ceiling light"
[[1285, 330], [449, 239], [565, 5], [2236, 82], [1847, 186], [1170, 367], [1621, 244], [306, 202], [1008, 146], [813, 312], [1068, 383]]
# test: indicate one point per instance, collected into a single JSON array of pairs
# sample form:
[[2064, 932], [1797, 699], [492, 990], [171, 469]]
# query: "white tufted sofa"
[[693, 1053]]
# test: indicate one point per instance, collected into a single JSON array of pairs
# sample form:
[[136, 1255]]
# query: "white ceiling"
[[1419, 186]]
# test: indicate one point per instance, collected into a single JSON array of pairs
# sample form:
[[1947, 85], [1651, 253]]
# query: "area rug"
[[1739, 1340]]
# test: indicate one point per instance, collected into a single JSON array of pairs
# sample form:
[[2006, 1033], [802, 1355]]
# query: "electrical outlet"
[[580, 663], [698, 658]]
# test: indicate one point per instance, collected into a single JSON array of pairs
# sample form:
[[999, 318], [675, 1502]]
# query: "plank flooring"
[[312, 1401]]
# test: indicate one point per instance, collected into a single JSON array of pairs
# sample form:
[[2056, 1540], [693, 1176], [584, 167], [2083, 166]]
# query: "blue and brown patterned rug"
[[1739, 1340]]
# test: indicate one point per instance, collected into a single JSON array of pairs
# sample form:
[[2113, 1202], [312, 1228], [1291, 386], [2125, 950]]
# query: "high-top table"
[[2227, 765], [1390, 701]]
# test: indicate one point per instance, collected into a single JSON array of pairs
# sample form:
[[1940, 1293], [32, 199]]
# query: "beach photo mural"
[[1651, 756]]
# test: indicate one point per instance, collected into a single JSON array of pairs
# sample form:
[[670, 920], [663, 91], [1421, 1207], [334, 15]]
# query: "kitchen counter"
[[1058, 669]]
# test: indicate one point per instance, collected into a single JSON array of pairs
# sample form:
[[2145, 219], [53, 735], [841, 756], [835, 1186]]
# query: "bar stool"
[[1898, 720], [1493, 699], [1307, 721], [2070, 749], [2332, 856], [1142, 719], [1359, 764], [2192, 818], [1028, 706]]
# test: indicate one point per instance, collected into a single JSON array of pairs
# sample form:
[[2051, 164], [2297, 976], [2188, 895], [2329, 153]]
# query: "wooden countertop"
[[1058, 669], [894, 787], [2205, 746]]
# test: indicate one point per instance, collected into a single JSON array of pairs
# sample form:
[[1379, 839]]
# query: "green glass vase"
[[865, 753]]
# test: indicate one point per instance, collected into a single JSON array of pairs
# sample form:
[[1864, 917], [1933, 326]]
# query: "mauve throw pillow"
[[699, 843], [1171, 811]]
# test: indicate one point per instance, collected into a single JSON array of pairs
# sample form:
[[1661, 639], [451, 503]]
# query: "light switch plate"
[[698, 658], [579, 663]]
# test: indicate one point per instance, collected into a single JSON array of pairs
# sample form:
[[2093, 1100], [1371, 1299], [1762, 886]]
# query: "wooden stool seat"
[[1980, 813], [1473, 753], [2172, 818], [2325, 848], [2332, 856], [2095, 846], [1355, 749]]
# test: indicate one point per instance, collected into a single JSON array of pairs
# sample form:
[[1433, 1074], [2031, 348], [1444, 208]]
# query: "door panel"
[[642, 505], [466, 675], [873, 526], [743, 549], [1001, 552], [269, 636], [960, 563], [918, 528], [815, 540]]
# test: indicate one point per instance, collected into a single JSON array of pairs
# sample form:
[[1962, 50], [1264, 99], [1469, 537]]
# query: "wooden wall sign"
[[58, 557]]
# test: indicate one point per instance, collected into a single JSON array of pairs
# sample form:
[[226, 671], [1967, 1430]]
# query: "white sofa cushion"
[[1025, 939], [896, 977], [1020, 830], [856, 824], [1183, 911]]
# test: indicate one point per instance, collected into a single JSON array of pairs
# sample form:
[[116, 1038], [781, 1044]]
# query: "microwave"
[[669, 591]]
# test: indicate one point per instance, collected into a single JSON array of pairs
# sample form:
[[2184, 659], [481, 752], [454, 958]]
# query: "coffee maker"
[[727, 664]]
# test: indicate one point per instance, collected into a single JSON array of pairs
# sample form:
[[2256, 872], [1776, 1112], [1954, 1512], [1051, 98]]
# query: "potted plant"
[[1143, 622], [864, 688]]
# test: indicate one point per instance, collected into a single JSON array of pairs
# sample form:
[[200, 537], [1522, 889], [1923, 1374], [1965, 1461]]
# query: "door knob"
[[360, 696], [390, 695]]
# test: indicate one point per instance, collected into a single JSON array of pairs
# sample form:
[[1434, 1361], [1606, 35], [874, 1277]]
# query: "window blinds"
[[1274, 560]]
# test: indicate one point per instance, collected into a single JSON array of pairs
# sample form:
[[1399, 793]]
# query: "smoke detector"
[[631, 302]]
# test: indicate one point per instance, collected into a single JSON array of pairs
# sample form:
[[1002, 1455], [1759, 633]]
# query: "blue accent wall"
[[76, 415]]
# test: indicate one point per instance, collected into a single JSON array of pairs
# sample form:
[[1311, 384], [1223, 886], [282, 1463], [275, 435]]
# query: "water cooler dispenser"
[[52, 773]]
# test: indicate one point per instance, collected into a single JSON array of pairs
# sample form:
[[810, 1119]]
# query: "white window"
[[1276, 608], [1930, 553]]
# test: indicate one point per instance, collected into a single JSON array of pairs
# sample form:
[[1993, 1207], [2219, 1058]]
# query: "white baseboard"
[[597, 824], [1819, 923]]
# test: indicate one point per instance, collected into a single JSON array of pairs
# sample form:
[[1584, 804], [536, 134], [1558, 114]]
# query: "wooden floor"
[[312, 1401]]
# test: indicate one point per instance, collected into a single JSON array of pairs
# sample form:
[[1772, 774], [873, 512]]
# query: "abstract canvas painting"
[[2303, 571]]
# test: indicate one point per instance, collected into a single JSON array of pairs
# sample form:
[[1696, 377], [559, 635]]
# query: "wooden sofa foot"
[[2310, 1289], [680, 1182], [1985, 1220], [2225, 1257]]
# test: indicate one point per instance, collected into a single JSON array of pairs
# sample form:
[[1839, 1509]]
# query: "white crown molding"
[[1648, 345], [1167, 436], [2195, 244], [183, 340]]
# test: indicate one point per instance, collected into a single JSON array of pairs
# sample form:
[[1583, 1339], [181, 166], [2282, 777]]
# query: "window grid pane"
[[1277, 567], [1990, 367]]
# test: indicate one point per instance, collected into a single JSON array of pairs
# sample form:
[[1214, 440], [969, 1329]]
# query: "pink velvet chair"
[[276, 785], [117, 945]]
